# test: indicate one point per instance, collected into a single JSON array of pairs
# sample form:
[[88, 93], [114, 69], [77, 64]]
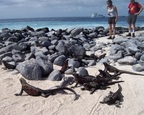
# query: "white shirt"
[[111, 12]]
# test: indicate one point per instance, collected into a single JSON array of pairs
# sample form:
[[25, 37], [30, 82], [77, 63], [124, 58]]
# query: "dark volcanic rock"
[[9, 54], [128, 60], [55, 75], [76, 31], [73, 63], [8, 48], [18, 57], [42, 45], [138, 55], [46, 66], [7, 59], [138, 67], [116, 56], [78, 51], [30, 69], [119, 40], [60, 60], [142, 58], [60, 47], [82, 71]]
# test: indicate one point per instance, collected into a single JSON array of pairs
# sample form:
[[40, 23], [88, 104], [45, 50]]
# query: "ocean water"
[[64, 22]]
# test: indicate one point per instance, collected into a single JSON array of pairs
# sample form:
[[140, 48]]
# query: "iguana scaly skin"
[[34, 91], [64, 67], [81, 80], [114, 97], [116, 71]]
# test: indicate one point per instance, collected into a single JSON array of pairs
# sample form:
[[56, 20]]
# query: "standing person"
[[134, 9], [112, 18]]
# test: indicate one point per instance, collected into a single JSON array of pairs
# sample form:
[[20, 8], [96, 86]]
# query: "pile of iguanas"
[[102, 81]]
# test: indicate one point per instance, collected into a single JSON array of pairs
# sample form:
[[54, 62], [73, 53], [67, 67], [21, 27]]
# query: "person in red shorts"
[[134, 9]]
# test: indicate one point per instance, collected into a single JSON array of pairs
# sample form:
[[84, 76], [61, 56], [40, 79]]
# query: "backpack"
[[138, 9]]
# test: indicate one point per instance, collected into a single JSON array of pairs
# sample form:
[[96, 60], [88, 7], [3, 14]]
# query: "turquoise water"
[[63, 22]]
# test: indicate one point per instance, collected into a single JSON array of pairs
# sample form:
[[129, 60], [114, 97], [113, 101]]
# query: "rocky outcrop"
[[33, 52]]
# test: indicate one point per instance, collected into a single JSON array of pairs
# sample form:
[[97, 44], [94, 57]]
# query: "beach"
[[63, 104]]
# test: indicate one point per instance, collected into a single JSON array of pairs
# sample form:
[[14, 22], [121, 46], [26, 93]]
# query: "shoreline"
[[61, 104], [64, 23]]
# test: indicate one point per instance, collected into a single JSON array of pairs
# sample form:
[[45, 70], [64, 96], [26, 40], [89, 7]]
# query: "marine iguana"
[[91, 57], [7, 65], [87, 79], [114, 97], [108, 75], [116, 71], [94, 57], [34, 91], [103, 80], [64, 67], [101, 56], [93, 86], [81, 80]]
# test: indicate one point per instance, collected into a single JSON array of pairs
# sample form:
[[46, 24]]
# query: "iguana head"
[[100, 71], [22, 80], [65, 66], [104, 63], [120, 88]]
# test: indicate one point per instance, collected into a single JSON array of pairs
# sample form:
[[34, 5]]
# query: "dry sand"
[[133, 91]]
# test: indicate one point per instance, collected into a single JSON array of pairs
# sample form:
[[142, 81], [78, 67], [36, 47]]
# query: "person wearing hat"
[[112, 18], [134, 9]]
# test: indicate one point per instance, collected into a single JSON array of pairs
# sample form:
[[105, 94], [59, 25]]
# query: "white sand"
[[133, 91]]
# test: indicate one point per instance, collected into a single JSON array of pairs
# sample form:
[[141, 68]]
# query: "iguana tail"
[[62, 88]]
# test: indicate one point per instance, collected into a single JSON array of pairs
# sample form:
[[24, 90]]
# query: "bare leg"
[[19, 94], [133, 30], [110, 31], [133, 27], [114, 30], [130, 30]]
